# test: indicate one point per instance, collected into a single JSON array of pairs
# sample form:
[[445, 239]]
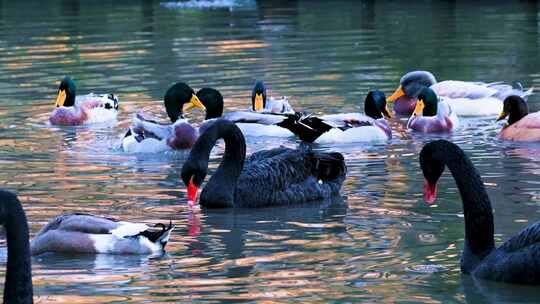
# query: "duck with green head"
[[262, 103], [521, 125], [264, 115], [466, 98], [432, 115], [148, 136], [72, 109], [347, 127]]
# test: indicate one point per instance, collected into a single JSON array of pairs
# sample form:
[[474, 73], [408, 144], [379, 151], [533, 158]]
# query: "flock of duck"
[[285, 176]]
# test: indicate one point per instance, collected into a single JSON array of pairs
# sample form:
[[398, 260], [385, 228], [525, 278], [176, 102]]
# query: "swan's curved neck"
[[477, 210], [18, 285], [220, 190]]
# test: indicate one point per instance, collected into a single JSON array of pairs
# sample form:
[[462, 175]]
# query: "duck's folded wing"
[[96, 100], [347, 119], [127, 229], [463, 89], [84, 223], [279, 105], [150, 128], [254, 117]]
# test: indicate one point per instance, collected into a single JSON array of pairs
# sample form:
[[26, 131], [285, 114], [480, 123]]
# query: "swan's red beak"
[[430, 192], [192, 192]]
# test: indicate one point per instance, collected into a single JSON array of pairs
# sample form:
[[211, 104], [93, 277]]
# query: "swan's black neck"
[[477, 210], [18, 285], [220, 190]]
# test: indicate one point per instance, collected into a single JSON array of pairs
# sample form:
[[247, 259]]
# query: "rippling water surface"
[[380, 242]]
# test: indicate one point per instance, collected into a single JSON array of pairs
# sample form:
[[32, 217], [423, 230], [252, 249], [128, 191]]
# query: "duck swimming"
[[432, 115], [277, 177], [73, 110], [522, 125], [18, 282], [148, 136], [265, 116], [260, 102], [85, 233], [466, 98], [516, 260], [348, 127]]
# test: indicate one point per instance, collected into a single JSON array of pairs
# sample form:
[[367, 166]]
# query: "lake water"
[[380, 243]]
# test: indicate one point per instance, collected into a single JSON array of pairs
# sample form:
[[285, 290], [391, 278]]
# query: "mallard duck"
[[262, 103], [72, 110], [277, 177], [432, 115], [18, 282], [516, 260], [348, 127], [86, 233], [466, 98], [521, 126], [148, 136], [264, 116]]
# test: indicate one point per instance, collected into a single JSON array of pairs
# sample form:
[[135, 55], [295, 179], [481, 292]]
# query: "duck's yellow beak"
[[502, 116], [193, 103], [259, 102], [419, 107], [386, 112], [61, 98], [397, 94]]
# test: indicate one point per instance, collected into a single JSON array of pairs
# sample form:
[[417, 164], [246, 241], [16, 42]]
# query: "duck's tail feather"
[[307, 127], [504, 90], [160, 236]]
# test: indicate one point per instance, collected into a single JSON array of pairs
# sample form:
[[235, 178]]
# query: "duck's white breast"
[[254, 129]]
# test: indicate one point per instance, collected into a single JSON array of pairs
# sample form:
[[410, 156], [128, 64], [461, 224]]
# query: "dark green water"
[[381, 243]]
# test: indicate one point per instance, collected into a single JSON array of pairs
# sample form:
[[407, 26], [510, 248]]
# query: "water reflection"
[[481, 291]]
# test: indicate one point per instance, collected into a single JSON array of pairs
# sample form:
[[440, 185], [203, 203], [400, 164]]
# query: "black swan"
[[18, 284], [274, 177], [515, 261]]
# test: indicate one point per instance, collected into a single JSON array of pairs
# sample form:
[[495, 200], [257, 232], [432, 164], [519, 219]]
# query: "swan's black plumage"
[[18, 284], [515, 261], [274, 177]]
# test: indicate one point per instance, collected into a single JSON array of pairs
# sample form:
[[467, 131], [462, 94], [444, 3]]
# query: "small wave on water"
[[209, 4]]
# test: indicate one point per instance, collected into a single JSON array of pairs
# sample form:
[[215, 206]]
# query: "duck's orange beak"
[[397, 94], [192, 191], [193, 103], [258, 106], [419, 108], [430, 192], [61, 98], [502, 116]]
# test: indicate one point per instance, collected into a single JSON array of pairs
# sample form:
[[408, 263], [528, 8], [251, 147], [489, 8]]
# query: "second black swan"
[[276, 177], [18, 284], [518, 259]]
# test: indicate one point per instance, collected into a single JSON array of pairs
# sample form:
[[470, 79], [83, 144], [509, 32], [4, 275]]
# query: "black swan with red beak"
[[277, 177], [518, 259]]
